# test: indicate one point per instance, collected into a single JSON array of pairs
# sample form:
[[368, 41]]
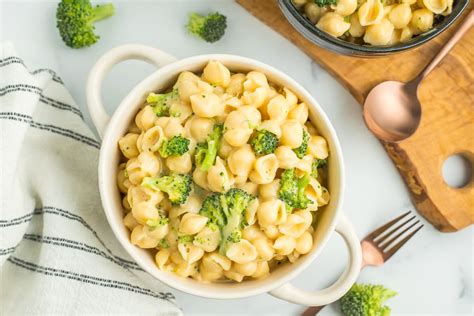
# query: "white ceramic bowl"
[[111, 129]]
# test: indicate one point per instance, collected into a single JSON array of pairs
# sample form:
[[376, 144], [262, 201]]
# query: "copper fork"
[[381, 245]]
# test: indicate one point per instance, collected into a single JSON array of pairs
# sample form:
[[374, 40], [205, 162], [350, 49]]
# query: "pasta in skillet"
[[222, 175], [374, 22]]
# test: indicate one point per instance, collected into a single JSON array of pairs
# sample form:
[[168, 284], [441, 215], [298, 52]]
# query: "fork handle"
[[313, 310]]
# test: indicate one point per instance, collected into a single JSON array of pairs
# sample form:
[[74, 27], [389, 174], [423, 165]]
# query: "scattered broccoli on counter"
[[161, 103], [366, 300], [323, 3], [210, 28], [316, 165], [292, 190], [263, 142], [175, 146], [177, 186], [75, 21], [301, 151], [206, 152], [226, 211]]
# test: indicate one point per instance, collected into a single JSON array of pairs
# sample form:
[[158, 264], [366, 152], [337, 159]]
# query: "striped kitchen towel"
[[57, 252]]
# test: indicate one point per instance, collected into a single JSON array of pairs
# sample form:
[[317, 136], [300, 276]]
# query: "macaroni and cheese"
[[222, 175]]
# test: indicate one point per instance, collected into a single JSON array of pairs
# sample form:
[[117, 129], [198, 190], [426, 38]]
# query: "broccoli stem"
[[210, 157], [101, 12], [233, 225]]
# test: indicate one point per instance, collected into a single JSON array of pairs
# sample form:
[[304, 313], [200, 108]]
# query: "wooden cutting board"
[[447, 124]]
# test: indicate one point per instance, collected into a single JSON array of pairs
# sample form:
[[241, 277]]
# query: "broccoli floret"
[[316, 165], [263, 142], [323, 3], [75, 21], [237, 201], [177, 186], [176, 146], [226, 211], [292, 190], [206, 152], [366, 300], [212, 208], [161, 103], [210, 28], [301, 151]]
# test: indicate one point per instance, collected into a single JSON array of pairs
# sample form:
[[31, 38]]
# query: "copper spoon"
[[392, 110]]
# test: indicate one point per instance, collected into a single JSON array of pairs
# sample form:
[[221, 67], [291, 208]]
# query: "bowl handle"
[[289, 292], [151, 55]]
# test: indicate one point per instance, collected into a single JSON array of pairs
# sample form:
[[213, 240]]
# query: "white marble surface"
[[433, 273]]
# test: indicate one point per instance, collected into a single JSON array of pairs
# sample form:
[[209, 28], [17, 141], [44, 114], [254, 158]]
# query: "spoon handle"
[[463, 28]]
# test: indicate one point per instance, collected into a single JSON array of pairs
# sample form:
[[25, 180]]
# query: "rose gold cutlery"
[[382, 244], [392, 110]]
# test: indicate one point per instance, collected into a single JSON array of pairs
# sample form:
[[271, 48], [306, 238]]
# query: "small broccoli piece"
[[323, 3], [184, 239], [301, 151], [176, 146], [366, 300], [212, 226], [263, 142], [163, 243], [206, 153], [316, 165], [226, 212], [177, 186], [235, 236], [161, 103], [292, 190], [75, 21], [210, 28], [162, 220]]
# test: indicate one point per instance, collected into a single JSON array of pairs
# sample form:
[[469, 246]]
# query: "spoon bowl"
[[392, 110]]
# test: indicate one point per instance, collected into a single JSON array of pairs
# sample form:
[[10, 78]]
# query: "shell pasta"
[[374, 22], [221, 175]]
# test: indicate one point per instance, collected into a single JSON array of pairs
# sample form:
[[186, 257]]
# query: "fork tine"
[[389, 242], [383, 228], [394, 249], [381, 240]]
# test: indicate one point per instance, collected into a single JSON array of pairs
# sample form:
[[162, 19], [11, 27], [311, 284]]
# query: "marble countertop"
[[432, 273]]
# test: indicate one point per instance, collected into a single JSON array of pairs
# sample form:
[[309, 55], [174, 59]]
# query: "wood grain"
[[447, 124]]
